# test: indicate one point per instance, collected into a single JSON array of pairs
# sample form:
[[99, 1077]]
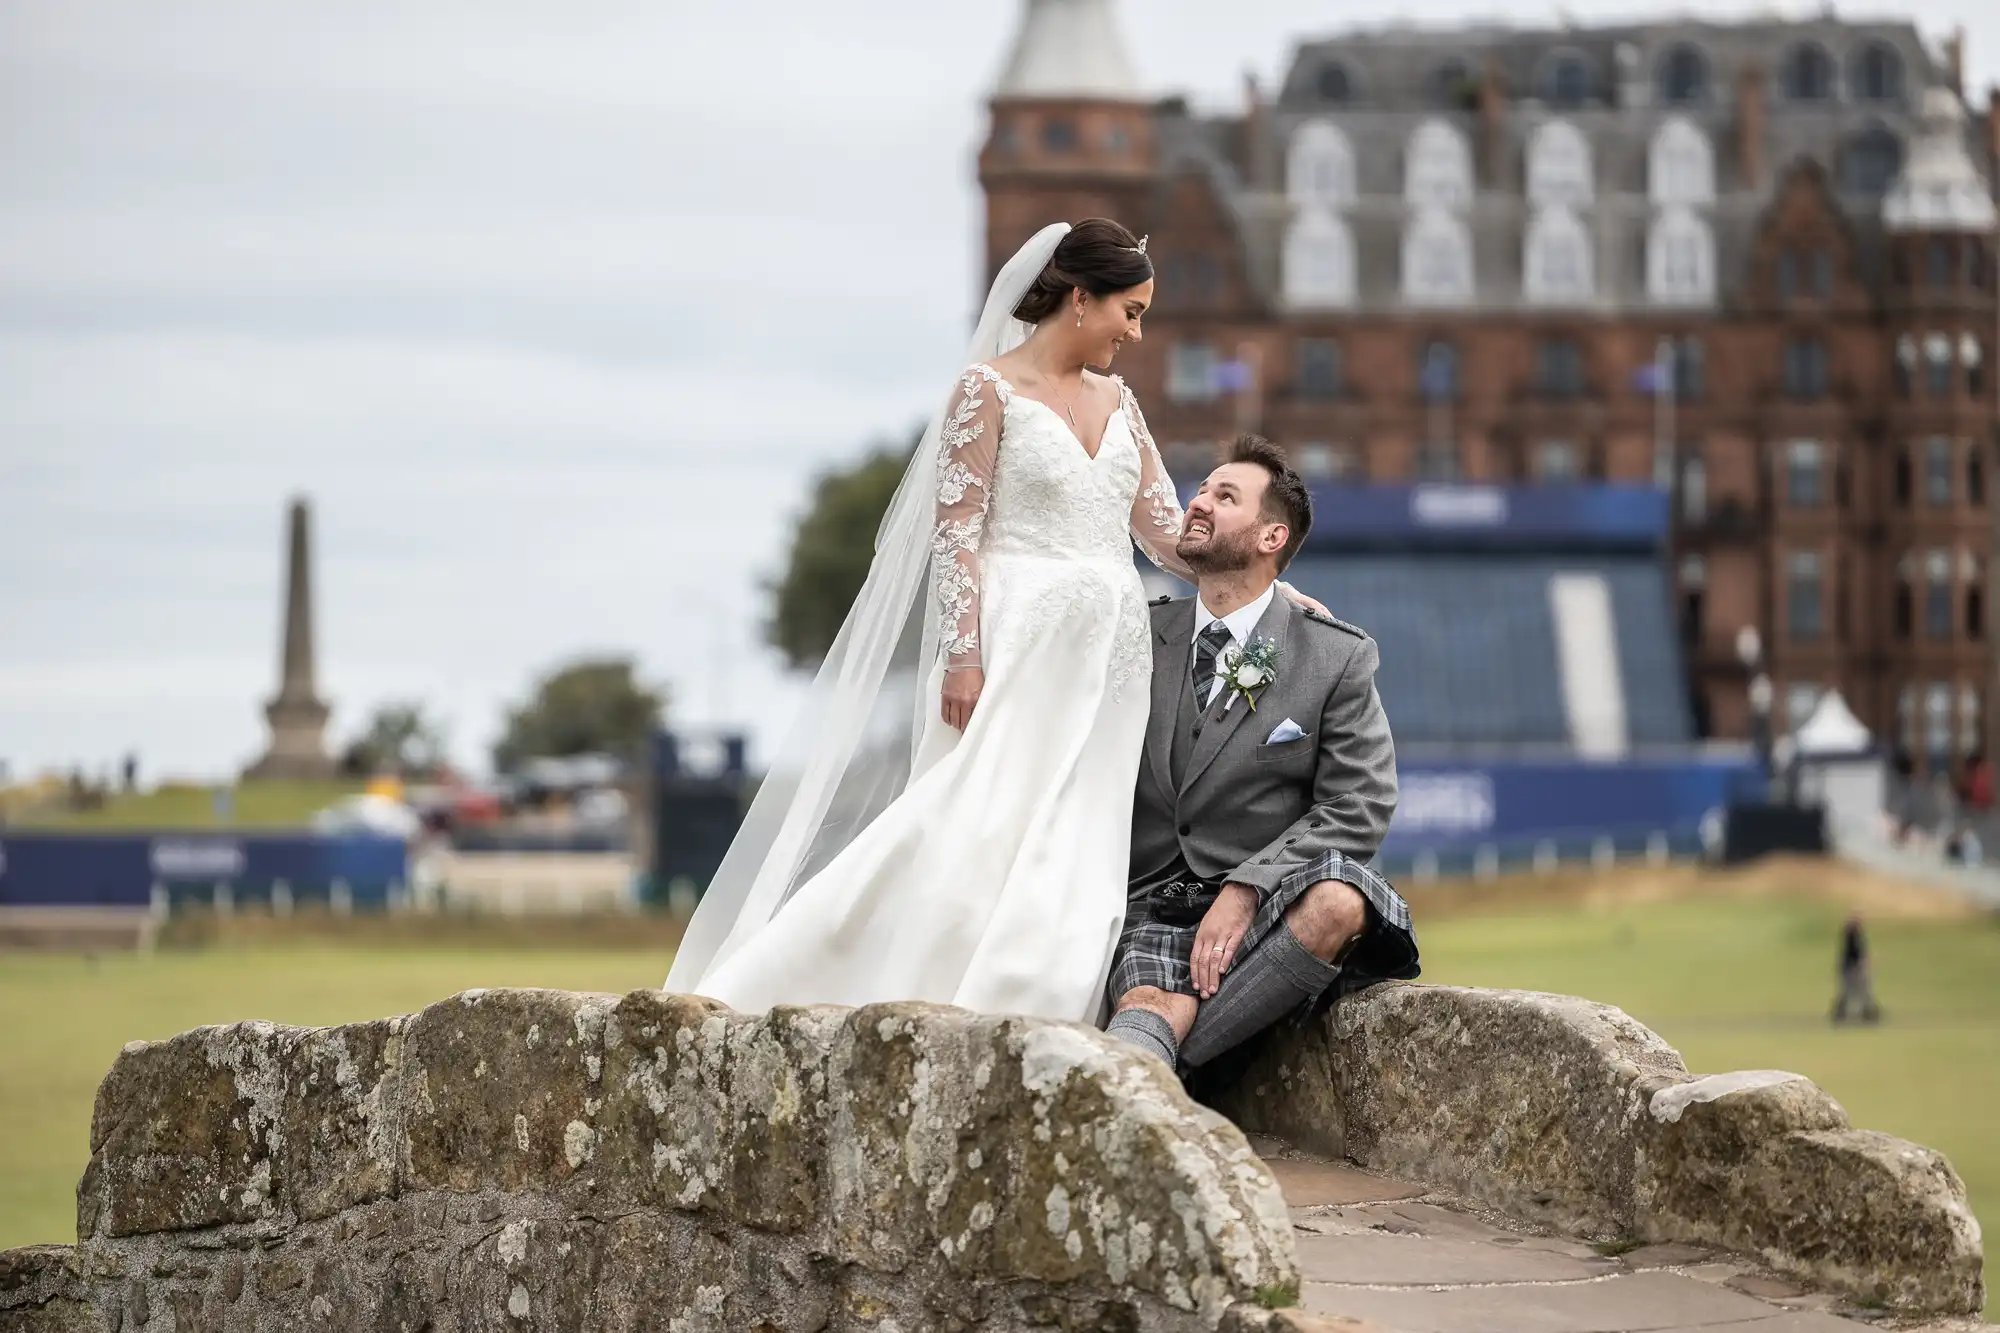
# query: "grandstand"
[[1530, 670]]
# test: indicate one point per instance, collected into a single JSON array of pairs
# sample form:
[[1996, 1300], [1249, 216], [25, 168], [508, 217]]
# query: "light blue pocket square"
[[1288, 730]]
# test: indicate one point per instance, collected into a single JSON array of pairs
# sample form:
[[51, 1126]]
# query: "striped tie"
[[1207, 647]]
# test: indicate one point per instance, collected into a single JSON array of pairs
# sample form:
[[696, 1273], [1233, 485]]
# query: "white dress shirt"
[[1242, 622]]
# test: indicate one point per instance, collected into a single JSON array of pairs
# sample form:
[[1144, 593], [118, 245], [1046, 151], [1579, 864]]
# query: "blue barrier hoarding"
[[110, 870], [1445, 804]]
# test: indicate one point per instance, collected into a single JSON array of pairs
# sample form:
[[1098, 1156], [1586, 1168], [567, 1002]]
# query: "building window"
[[1972, 355], [1437, 372], [1905, 476], [1437, 167], [1683, 76], [1437, 461], [1801, 697], [1805, 474], [1557, 267], [1694, 593], [1805, 370], [1437, 260], [1975, 475], [1904, 615], [1336, 85], [1870, 162], [1937, 472], [1452, 87], [1877, 74], [1320, 461], [1059, 136], [1556, 461], [1694, 488], [1567, 82], [1975, 605], [1804, 611], [1687, 361], [1319, 261], [1191, 372], [1822, 275], [1116, 141], [1808, 73], [1937, 365], [1680, 164], [1788, 274], [1680, 259], [1559, 368], [1968, 720], [1937, 595], [1937, 262], [1937, 722], [1906, 365], [1319, 368], [1319, 165], [1559, 169]]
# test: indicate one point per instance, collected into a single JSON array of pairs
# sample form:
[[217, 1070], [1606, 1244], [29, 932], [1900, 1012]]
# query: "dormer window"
[[1878, 74], [1683, 77], [1567, 83], [1808, 73], [1059, 136], [1335, 85]]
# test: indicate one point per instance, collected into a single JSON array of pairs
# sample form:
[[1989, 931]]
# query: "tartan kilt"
[[1153, 953]]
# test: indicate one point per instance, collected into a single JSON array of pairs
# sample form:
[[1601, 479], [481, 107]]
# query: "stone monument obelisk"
[[297, 715]]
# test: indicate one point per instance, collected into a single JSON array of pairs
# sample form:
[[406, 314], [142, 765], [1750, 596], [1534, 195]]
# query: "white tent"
[[1832, 730]]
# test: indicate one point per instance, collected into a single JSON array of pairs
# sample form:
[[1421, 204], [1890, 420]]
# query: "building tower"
[[297, 714], [1939, 220], [1072, 134]]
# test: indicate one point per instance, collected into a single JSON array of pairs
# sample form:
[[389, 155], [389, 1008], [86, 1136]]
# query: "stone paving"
[[1395, 1257]]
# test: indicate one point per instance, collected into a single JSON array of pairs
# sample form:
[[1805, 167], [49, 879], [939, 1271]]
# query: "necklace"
[[1068, 410]]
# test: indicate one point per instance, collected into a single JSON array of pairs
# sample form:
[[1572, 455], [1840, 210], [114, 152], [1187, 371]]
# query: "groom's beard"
[[1221, 554]]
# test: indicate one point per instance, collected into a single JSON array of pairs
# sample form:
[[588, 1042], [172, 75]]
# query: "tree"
[[831, 549], [399, 739], [595, 706]]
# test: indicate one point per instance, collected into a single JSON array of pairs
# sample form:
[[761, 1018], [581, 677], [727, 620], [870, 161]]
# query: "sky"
[[553, 311]]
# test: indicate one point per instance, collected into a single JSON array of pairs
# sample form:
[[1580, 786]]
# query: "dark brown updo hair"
[[1097, 255]]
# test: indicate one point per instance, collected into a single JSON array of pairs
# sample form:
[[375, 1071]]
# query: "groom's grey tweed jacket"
[[1250, 812]]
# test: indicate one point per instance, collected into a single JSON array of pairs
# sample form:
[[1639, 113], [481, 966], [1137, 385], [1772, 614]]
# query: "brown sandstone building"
[[1753, 264]]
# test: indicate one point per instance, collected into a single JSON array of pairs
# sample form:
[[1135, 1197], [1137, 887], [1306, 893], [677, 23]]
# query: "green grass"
[[64, 1018], [1735, 984], [1746, 984], [257, 805]]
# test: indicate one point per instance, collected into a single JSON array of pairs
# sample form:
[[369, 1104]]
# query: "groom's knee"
[[1178, 1010], [1326, 917]]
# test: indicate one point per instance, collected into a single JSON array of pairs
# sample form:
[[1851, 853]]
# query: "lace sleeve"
[[1156, 510], [968, 446]]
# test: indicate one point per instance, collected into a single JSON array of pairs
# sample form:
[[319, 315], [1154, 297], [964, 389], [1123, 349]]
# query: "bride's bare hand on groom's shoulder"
[[1311, 604], [1219, 936], [962, 687]]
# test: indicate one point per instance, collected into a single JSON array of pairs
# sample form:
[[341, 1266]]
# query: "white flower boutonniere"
[[1247, 671]]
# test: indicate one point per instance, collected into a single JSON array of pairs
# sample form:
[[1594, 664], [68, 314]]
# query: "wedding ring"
[[1216, 949]]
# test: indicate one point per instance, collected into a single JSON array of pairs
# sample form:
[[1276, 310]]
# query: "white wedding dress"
[[996, 880]]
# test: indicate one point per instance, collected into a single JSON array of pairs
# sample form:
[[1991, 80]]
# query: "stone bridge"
[[1423, 1156]]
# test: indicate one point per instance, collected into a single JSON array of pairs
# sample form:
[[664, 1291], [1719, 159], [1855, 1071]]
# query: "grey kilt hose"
[[1154, 953]]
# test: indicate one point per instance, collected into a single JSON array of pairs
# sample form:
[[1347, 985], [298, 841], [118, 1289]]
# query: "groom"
[[1268, 781]]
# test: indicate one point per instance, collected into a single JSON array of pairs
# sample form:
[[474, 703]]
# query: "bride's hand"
[[1308, 603], [961, 695]]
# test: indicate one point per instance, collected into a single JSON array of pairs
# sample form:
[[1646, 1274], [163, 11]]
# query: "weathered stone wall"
[[1570, 1114], [536, 1159]]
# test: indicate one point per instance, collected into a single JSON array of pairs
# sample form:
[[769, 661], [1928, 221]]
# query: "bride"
[[977, 854]]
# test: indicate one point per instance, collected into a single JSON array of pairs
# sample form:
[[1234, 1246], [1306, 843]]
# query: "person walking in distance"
[[1857, 988]]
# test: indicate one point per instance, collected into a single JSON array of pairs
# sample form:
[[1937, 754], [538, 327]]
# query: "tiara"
[[1140, 248]]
